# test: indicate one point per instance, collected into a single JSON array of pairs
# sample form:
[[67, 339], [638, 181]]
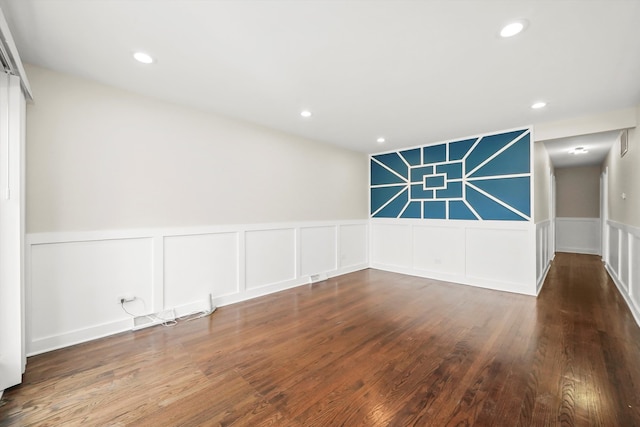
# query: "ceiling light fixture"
[[512, 29], [380, 140], [305, 113], [578, 150], [145, 58], [539, 105]]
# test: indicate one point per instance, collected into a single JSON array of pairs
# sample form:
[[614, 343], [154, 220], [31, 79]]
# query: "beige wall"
[[542, 170], [578, 192], [624, 177], [102, 158]]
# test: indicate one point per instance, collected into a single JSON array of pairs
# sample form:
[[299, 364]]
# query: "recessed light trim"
[[142, 57], [538, 105], [305, 113], [578, 150], [380, 140], [513, 28]]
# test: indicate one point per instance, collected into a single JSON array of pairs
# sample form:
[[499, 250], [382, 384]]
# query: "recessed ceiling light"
[[145, 58], [578, 150], [539, 105], [380, 140], [305, 113], [512, 28]]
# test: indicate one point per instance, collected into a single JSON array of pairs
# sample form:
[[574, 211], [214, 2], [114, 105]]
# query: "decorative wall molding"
[[578, 235], [623, 263], [482, 178], [499, 255], [74, 279], [545, 252]]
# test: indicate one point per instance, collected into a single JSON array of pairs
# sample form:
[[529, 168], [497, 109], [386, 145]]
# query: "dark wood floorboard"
[[370, 348]]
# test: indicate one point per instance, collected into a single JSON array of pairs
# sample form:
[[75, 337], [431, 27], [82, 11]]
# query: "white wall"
[[496, 255], [76, 278], [100, 158]]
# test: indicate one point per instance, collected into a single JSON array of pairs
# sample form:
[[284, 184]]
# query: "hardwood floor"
[[370, 348]]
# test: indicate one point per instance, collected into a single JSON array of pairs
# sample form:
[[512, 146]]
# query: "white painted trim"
[[458, 266], [635, 309], [54, 342], [544, 252], [625, 289], [563, 246], [624, 227], [237, 292]]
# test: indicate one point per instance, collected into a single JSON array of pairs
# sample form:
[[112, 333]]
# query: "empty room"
[[319, 213]]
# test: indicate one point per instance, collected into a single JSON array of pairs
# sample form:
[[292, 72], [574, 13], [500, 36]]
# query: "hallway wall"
[[623, 227], [578, 209]]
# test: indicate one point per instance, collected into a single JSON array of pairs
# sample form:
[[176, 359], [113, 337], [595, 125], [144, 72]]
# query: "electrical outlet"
[[125, 298]]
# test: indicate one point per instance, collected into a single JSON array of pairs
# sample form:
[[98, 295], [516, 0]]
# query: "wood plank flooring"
[[370, 348]]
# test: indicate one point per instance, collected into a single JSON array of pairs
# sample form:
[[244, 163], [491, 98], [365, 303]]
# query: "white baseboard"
[[54, 342], [577, 250], [542, 278]]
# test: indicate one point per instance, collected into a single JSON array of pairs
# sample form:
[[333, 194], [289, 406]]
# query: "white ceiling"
[[598, 146], [415, 72]]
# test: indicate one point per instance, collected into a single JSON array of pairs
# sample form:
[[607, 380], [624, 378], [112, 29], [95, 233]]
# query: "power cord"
[[168, 322]]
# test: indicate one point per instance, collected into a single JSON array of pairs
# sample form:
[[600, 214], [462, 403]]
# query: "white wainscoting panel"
[[614, 248], [270, 257], [624, 263], [496, 255], [634, 269], [578, 235], [624, 256], [352, 251], [318, 250], [391, 245], [200, 265], [545, 252], [439, 249], [74, 279], [68, 279]]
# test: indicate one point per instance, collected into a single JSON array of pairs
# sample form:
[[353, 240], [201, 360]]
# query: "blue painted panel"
[[418, 192], [417, 174], [381, 175], [393, 209], [435, 210], [513, 191], [458, 149], [435, 153], [428, 166], [453, 191], [412, 211], [381, 195], [435, 181], [452, 170], [394, 162], [488, 146], [459, 210], [514, 160], [488, 209], [412, 156]]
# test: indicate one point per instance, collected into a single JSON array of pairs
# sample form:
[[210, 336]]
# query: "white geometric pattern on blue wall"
[[484, 178]]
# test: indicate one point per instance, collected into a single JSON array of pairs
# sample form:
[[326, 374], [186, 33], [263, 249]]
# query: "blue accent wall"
[[484, 178]]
